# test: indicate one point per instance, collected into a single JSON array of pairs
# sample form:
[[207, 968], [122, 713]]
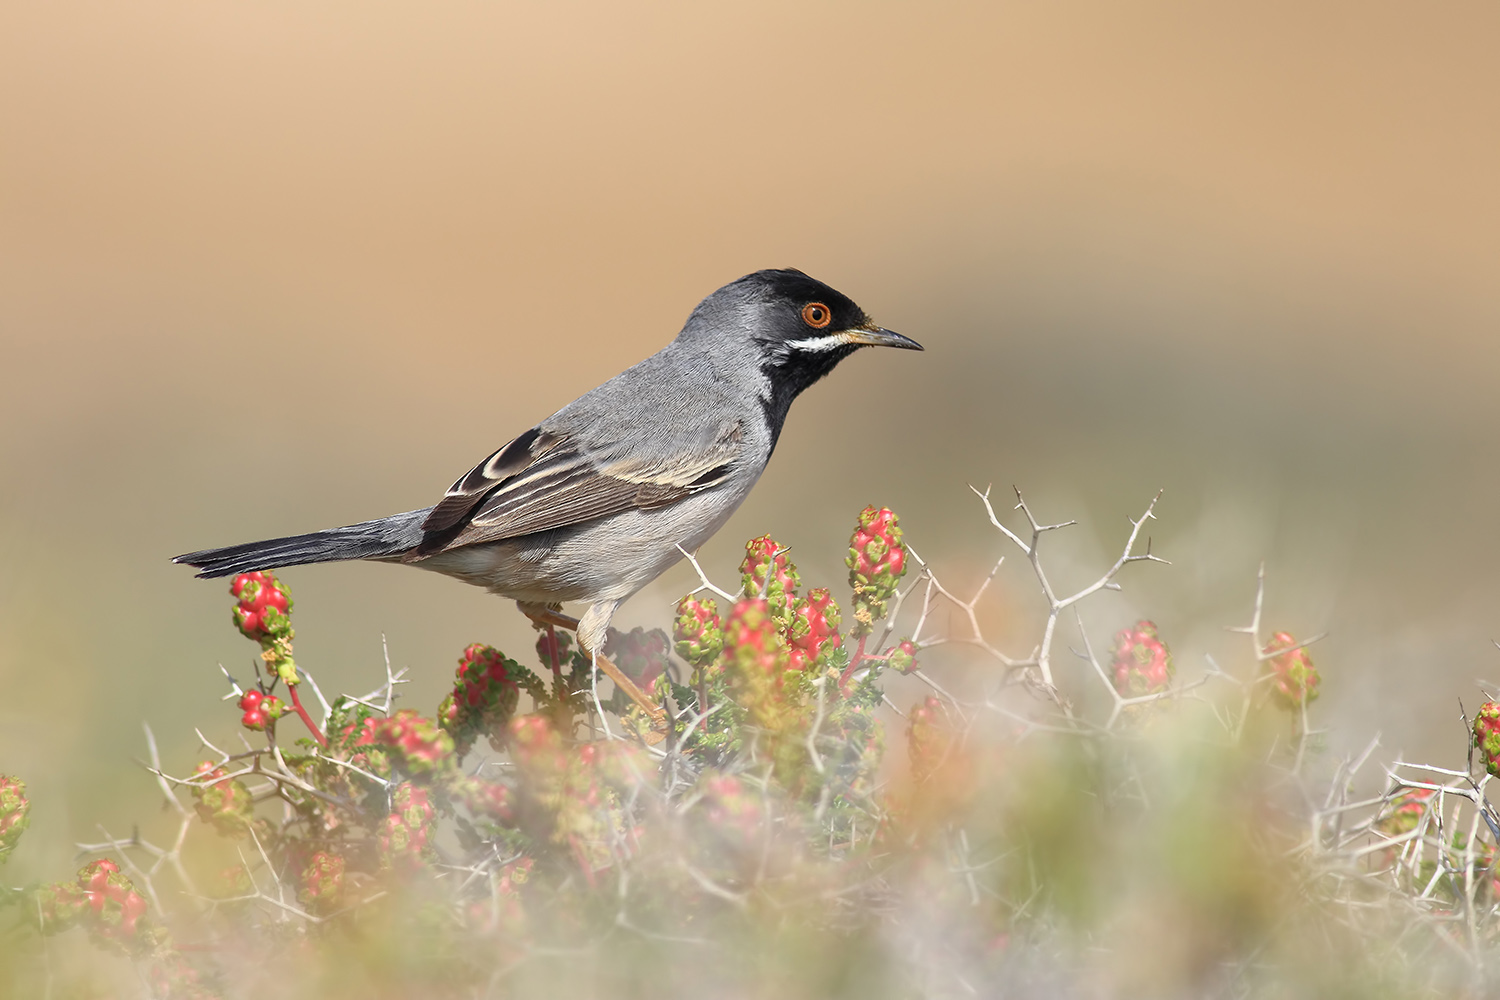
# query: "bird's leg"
[[559, 689], [543, 615], [634, 693], [554, 654]]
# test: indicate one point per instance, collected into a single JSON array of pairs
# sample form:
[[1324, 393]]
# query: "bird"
[[602, 497]]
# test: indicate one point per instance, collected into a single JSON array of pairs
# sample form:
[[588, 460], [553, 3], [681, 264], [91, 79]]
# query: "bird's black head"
[[786, 330]]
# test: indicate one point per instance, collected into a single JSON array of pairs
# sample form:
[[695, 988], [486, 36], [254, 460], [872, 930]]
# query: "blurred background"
[[268, 268]]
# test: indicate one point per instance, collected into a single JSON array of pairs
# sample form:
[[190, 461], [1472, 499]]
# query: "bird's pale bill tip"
[[880, 337]]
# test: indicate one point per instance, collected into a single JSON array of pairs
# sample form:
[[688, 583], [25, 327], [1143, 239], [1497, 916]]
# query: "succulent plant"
[[259, 709], [640, 653], [767, 573], [321, 882], [814, 629], [1487, 736], [223, 802], [1405, 812], [1295, 680], [100, 899], [405, 834], [15, 814], [927, 738], [413, 741], [756, 658], [698, 633], [486, 691], [1142, 663], [265, 606], [876, 561], [903, 657]]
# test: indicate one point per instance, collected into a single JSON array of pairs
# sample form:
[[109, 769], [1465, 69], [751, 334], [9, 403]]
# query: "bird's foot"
[[544, 616]]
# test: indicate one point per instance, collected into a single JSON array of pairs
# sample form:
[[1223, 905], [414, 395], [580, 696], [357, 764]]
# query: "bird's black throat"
[[791, 374]]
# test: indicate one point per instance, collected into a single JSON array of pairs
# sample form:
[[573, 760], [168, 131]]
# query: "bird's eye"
[[816, 315]]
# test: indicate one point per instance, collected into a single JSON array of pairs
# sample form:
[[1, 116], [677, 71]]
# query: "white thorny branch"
[[267, 775]]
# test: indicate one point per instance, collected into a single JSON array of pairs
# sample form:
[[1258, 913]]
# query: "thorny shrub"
[[1097, 828]]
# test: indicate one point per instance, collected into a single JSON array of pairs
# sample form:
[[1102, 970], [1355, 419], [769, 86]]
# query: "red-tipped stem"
[[297, 705]]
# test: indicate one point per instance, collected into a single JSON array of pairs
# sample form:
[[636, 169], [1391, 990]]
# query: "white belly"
[[605, 560]]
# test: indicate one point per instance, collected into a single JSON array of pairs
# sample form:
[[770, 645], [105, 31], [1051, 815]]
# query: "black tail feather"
[[387, 536]]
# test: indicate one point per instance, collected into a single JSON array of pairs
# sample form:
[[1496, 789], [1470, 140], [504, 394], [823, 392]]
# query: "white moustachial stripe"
[[817, 345]]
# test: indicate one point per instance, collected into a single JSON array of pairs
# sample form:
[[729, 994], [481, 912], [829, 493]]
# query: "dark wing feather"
[[507, 496], [462, 497]]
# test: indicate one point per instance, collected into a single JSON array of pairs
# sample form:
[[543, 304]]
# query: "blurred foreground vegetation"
[[744, 811]]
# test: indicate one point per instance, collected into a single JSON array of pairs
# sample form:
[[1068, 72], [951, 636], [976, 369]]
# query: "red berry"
[[486, 799], [1296, 679], [698, 633], [486, 690], [264, 607], [113, 907], [1142, 663], [814, 629], [404, 835], [322, 881], [757, 658], [422, 744], [553, 643], [767, 573], [1406, 811], [1487, 736], [876, 561], [225, 803], [642, 655], [927, 738], [733, 810], [535, 743], [15, 814], [903, 658]]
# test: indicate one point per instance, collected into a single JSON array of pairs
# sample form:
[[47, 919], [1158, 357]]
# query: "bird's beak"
[[879, 337]]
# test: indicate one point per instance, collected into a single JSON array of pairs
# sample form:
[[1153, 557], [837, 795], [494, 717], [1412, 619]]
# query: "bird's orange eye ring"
[[817, 315]]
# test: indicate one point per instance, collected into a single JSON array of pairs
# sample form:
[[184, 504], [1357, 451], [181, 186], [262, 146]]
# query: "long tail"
[[387, 536]]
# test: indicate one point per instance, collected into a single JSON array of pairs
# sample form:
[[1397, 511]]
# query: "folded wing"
[[544, 480]]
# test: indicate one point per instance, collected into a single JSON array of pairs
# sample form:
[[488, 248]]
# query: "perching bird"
[[603, 496]]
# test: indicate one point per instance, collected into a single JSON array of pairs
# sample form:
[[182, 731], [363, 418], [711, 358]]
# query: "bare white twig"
[[704, 583], [327, 709], [1055, 604]]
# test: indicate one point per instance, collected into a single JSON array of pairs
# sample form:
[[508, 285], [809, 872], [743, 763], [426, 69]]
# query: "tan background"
[[269, 267]]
